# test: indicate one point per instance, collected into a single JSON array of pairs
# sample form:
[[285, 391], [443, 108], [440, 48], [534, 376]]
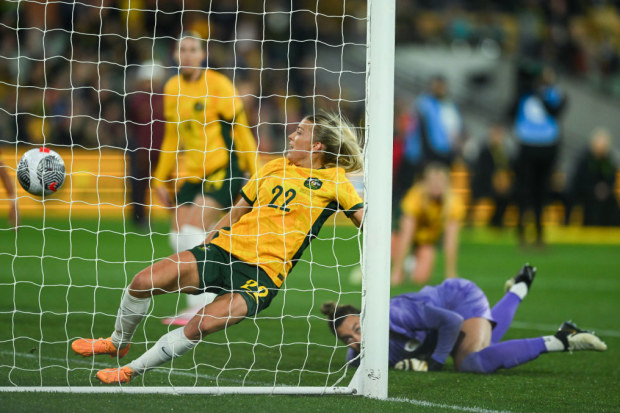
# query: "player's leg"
[[425, 261], [177, 273], [198, 218], [224, 311], [503, 312], [475, 336], [513, 353]]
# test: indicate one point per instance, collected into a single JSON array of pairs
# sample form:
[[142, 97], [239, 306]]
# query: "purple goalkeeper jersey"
[[438, 310]]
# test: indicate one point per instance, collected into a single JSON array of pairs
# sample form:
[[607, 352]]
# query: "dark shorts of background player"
[[221, 273], [225, 194]]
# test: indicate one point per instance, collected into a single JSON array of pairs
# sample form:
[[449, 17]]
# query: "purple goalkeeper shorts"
[[464, 298]]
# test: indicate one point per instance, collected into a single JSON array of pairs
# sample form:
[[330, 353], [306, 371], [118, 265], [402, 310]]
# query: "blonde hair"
[[342, 144]]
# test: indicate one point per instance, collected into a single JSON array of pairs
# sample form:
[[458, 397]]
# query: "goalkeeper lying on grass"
[[252, 249], [454, 318]]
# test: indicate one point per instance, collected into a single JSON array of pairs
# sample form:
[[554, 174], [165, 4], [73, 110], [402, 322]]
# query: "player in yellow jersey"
[[206, 128], [252, 249], [11, 195], [430, 210]]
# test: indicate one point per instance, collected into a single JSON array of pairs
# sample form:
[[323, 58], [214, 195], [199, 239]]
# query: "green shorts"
[[222, 185], [221, 273]]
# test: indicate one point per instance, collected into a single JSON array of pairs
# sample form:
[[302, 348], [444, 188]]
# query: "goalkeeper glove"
[[412, 364]]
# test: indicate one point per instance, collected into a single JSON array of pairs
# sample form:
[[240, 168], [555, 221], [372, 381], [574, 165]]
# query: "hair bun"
[[329, 308]]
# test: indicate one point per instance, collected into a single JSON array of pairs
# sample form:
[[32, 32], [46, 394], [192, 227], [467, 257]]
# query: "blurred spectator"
[[145, 123], [594, 182], [430, 211], [74, 62], [11, 195], [492, 174], [435, 137], [535, 116]]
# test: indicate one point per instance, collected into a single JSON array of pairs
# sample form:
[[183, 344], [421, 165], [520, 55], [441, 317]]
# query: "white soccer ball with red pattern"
[[41, 171]]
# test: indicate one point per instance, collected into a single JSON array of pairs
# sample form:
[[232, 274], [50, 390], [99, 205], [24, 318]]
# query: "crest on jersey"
[[199, 106], [313, 183]]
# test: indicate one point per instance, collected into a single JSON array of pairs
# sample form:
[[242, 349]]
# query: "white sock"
[[192, 236], [131, 311], [200, 300], [552, 343], [187, 238], [173, 239], [519, 289], [171, 345]]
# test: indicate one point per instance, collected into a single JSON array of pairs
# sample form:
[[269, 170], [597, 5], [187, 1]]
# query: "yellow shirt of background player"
[[296, 202], [198, 121], [430, 215]]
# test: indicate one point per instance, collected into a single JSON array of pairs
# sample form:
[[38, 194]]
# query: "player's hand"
[[164, 197], [411, 365], [14, 219]]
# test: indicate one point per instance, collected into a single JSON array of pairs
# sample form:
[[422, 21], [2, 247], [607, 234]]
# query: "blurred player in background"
[[250, 252], [11, 194], [430, 210], [454, 319], [208, 126]]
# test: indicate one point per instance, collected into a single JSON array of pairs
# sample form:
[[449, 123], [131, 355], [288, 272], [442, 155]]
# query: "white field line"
[[443, 406], [421, 403], [551, 328]]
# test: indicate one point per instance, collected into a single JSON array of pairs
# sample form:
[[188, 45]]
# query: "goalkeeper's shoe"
[[526, 274], [94, 346], [575, 339], [116, 375]]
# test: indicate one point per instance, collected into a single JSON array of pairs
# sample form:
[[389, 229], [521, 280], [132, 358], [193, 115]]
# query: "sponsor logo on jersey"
[[313, 183], [199, 106]]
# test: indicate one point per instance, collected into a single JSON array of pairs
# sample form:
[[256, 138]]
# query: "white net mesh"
[[87, 80]]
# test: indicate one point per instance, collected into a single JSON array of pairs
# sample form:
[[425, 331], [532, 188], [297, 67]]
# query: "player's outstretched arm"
[[357, 218], [240, 209]]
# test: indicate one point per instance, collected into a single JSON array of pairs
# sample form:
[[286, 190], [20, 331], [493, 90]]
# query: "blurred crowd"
[[77, 64], [579, 38], [89, 76], [515, 163]]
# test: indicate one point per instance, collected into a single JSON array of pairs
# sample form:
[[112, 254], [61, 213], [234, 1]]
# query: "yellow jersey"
[[205, 120], [290, 205], [431, 214]]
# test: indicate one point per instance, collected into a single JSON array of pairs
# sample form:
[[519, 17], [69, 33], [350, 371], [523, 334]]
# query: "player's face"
[[190, 55], [300, 144], [436, 184], [350, 332]]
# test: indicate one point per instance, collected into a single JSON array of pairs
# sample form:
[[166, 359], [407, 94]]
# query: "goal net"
[[86, 79]]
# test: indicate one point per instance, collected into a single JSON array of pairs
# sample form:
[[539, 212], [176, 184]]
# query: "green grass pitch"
[[65, 282]]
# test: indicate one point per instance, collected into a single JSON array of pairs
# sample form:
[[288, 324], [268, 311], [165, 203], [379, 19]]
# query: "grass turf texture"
[[81, 272]]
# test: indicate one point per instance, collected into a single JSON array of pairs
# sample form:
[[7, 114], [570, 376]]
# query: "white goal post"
[[371, 378]]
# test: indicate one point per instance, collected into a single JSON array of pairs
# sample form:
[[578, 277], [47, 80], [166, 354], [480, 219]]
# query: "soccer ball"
[[41, 171]]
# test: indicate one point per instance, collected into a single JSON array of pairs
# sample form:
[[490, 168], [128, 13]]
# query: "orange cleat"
[[94, 346], [116, 376]]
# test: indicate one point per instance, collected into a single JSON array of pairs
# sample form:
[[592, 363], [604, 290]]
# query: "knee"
[[142, 284]]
